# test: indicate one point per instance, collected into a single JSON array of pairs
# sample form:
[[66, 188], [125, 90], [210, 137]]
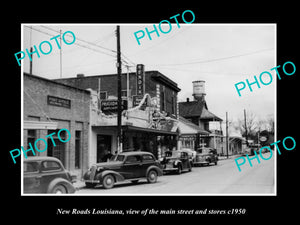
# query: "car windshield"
[[119, 158]]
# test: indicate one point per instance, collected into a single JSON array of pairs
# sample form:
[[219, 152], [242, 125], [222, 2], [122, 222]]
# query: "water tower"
[[199, 90]]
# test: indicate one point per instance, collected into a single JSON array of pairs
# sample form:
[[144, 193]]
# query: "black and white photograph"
[[159, 114], [168, 109]]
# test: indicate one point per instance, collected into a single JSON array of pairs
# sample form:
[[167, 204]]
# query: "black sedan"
[[131, 166]]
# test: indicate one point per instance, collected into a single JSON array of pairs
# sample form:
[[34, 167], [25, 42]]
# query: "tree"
[[254, 125], [250, 124]]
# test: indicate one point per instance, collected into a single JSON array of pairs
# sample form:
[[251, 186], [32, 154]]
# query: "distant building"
[[197, 112], [189, 134]]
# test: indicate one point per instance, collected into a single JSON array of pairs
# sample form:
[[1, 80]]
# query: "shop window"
[[173, 105], [77, 148], [31, 138], [57, 151], [103, 95], [162, 101], [124, 93]]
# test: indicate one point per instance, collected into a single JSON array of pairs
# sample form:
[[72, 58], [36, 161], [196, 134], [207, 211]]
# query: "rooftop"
[[197, 109]]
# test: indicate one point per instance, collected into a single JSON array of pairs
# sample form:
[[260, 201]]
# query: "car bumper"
[[91, 181], [169, 169], [202, 162]]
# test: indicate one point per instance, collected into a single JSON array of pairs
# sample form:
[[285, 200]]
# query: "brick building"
[[50, 106], [139, 133], [156, 84]]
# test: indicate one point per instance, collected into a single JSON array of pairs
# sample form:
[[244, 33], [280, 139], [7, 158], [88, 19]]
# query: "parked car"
[[191, 153], [177, 161], [205, 156], [252, 148], [46, 175], [131, 166]]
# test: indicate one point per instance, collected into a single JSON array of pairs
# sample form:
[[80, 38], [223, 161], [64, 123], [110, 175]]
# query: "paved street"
[[221, 179]]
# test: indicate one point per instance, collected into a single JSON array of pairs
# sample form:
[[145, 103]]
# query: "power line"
[[214, 60], [128, 59], [84, 41], [84, 46]]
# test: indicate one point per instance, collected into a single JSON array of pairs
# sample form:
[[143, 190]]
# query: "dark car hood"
[[111, 164]]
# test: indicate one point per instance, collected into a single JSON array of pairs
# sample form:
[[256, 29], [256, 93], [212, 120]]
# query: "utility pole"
[[30, 64], [246, 132], [60, 54], [227, 143], [119, 67]]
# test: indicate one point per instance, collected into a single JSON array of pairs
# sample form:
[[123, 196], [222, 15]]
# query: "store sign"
[[264, 136], [60, 102], [111, 106], [140, 78]]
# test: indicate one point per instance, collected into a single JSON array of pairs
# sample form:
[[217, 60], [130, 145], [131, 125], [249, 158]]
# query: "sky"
[[220, 54]]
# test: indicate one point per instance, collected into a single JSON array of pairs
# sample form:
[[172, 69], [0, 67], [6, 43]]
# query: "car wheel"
[[108, 181], [152, 176], [59, 189], [179, 169], [216, 162]]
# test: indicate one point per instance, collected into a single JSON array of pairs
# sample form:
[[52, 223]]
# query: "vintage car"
[[177, 161], [46, 175], [205, 156], [191, 153], [131, 166]]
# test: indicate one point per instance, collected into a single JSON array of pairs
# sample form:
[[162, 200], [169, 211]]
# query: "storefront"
[[104, 140], [190, 135], [50, 106]]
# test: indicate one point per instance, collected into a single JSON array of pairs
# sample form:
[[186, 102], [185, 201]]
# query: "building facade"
[[49, 106], [149, 112]]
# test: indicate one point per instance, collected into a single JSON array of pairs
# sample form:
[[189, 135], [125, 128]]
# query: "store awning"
[[140, 129], [39, 125], [148, 130], [186, 127]]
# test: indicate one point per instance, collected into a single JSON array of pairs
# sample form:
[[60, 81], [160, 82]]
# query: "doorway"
[[103, 146]]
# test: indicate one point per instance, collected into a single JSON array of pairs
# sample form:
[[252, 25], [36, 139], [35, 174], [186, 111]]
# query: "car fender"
[[157, 169], [177, 163], [117, 175], [61, 181]]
